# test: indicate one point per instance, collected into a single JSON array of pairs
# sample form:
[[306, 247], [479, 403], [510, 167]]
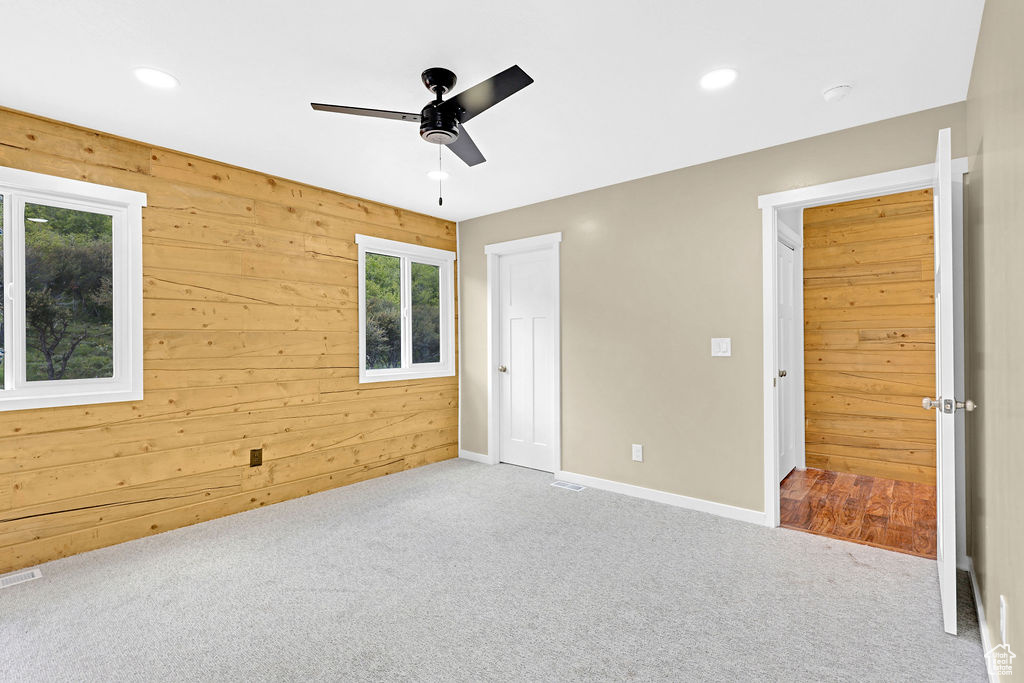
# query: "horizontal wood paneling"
[[869, 336], [250, 341]]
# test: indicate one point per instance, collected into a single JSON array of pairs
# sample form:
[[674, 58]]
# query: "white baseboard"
[[476, 457], [699, 504], [986, 637]]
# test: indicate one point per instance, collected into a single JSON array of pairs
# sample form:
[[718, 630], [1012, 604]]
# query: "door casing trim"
[[550, 241]]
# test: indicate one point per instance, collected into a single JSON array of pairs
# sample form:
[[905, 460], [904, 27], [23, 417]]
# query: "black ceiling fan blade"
[[359, 111], [485, 95], [465, 149]]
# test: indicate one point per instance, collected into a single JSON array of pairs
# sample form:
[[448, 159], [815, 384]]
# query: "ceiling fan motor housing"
[[439, 125]]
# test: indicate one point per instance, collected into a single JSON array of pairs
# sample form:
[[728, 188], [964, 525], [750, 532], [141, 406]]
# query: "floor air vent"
[[568, 485], [8, 580]]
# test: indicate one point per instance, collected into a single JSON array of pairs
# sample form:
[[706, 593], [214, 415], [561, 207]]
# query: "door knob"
[[782, 373], [502, 368], [948, 406]]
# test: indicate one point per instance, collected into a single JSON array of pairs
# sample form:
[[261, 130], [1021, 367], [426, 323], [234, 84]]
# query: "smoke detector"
[[836, 92]]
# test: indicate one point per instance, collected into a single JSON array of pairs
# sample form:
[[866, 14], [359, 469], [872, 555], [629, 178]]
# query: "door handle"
[[948, 406], [782, 373], [502, 368]]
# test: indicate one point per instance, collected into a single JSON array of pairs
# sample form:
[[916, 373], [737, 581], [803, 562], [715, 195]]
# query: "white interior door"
[[785, 349], [526, 360], [948, 376]]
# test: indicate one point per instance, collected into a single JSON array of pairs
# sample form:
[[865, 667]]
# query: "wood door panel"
[[869, 338]]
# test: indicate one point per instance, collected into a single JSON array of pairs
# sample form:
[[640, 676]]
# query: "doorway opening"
[[788, 426], [867, 285]]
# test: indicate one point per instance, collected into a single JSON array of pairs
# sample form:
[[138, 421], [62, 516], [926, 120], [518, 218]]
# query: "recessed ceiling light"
[[437, 174], [717, 79], [155, 78], [38, 220]]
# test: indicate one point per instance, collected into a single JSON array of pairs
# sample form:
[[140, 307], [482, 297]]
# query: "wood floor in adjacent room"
[[884, 513]]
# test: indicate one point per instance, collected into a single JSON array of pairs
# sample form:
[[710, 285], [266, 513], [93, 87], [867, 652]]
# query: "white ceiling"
[[615, 97]]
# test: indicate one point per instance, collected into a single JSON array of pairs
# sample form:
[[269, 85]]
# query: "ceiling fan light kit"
[[441, 121]]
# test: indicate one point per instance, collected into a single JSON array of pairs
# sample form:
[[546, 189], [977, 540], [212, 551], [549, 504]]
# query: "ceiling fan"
[[441, 120]]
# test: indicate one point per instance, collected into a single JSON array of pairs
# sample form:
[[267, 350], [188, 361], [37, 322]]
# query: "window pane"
[[426, 313], [68, 294], [2, 299], [383, 312]]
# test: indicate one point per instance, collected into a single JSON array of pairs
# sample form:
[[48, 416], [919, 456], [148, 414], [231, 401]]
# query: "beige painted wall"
[[653, 269], [995, 315]]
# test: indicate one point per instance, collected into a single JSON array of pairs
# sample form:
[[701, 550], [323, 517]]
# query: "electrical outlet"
[[638, 453], [1002, 619], [255, 457]]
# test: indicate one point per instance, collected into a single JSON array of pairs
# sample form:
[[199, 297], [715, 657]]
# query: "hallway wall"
[[869, 336], [994, 247]]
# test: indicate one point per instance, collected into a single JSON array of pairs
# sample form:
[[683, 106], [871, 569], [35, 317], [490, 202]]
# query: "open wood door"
[[787, 339], [948, 375]]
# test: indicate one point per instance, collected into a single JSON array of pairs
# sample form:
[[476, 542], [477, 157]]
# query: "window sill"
[[403, 375], [34, 401]]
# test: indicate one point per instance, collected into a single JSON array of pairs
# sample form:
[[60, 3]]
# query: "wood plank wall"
[[250, 341], [869, 336]]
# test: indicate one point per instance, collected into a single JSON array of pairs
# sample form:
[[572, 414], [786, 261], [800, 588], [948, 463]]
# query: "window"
[[70, 292], [406, 311]]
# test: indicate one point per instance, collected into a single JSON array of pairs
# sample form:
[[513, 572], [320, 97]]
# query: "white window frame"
[[408, 253], [19, 187]]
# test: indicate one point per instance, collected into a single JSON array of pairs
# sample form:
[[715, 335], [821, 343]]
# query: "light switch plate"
[[721, 346], [638, 452]]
